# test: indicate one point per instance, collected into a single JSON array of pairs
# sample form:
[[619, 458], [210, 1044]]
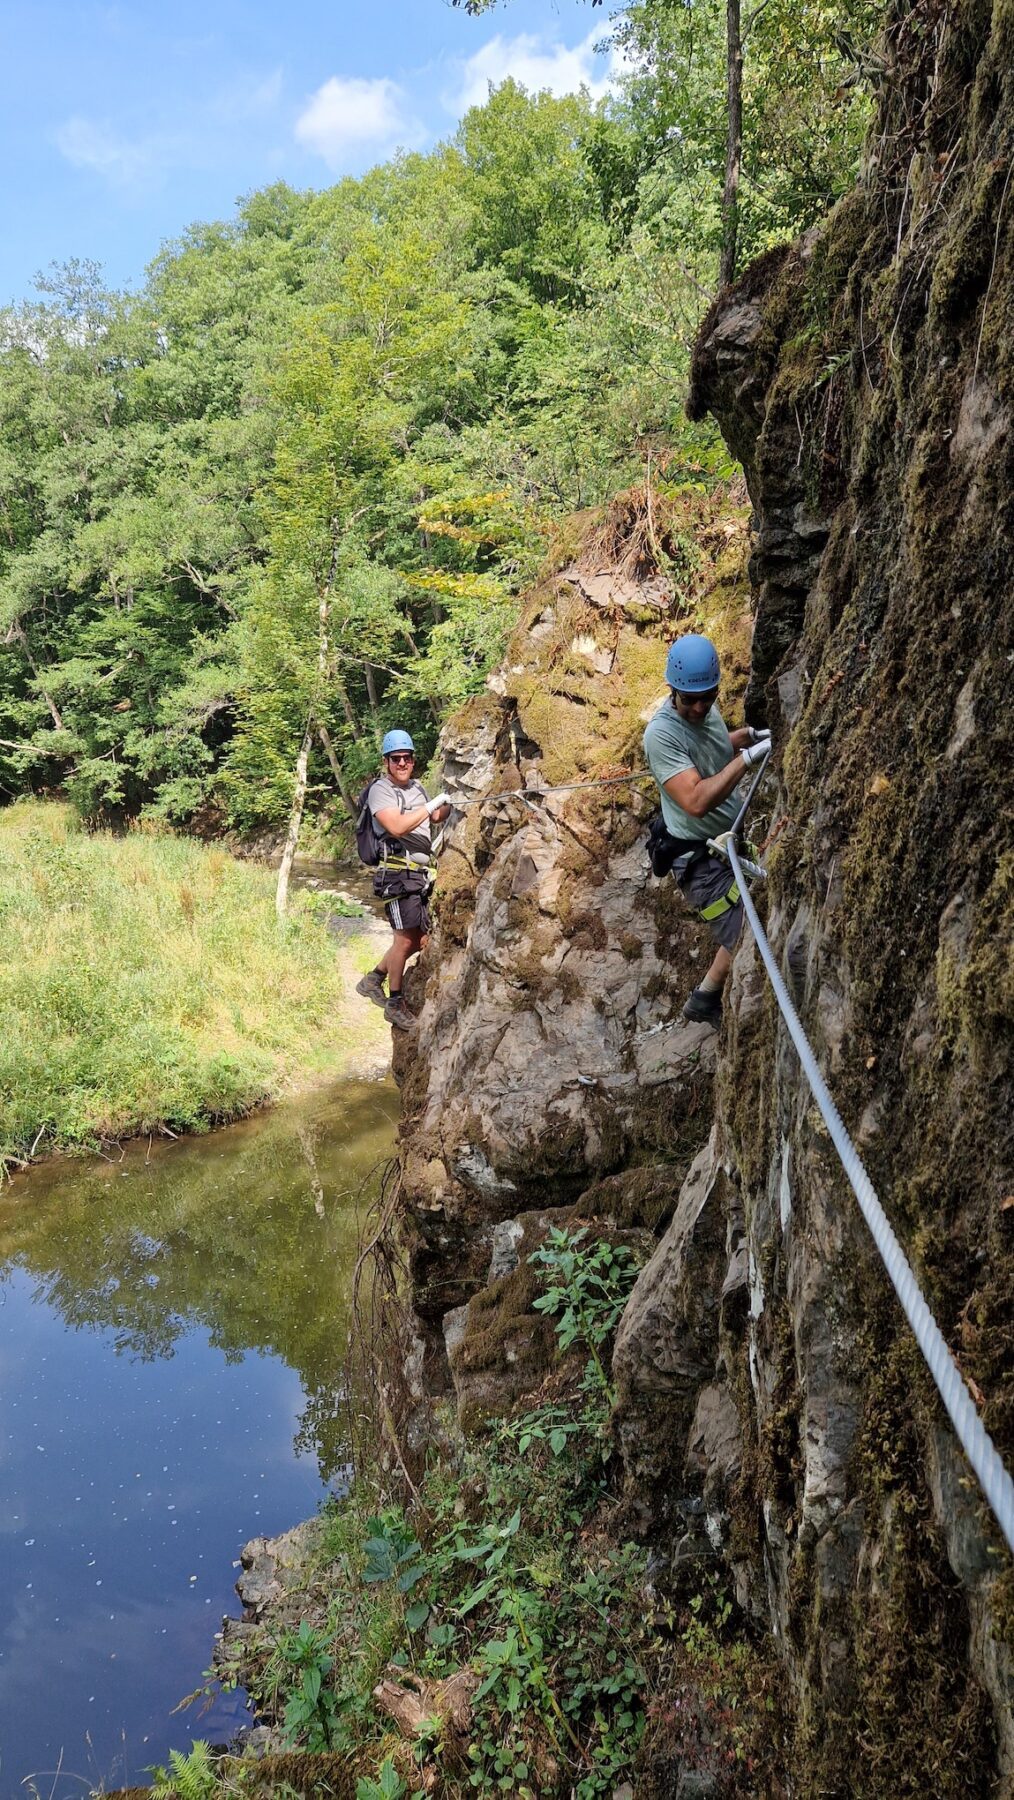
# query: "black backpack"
[[369, 843]]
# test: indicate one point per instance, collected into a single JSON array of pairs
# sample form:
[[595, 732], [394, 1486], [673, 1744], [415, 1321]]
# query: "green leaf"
[[476, 1597], [408, 1577]]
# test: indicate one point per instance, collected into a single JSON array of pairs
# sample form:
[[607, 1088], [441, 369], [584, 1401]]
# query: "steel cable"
[[975, 1440]]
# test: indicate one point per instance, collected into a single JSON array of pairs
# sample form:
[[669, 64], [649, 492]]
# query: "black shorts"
[[405, 893]]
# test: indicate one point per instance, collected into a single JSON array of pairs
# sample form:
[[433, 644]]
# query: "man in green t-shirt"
[[698, 765]]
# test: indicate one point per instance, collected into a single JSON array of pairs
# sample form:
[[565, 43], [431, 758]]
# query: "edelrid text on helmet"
[[396, 740], [691, 666]]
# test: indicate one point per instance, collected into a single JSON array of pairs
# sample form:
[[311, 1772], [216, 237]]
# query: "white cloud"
[[221, 124], [348, 113], [536, 65], [249, 97], [94, 144]]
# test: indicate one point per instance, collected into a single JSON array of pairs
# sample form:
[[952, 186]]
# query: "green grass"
[[145, 981]]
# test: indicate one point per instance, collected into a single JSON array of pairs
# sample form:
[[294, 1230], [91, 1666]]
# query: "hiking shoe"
[[372, 988], [704, 1009], [397, 1014]]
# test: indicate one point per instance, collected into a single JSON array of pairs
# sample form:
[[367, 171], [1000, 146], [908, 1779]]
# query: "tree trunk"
[[371, 695], [350, 718], [316, 1185], [17, 633], [295, 821], [336, 769], [733, 142], [413, 646]]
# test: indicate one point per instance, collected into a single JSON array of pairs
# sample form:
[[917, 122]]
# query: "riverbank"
[[495, 1627], [147, 986]]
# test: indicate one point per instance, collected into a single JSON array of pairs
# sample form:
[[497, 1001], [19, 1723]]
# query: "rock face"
[[866, 378], [550, 1050], [669, 1368], [775, 1420]]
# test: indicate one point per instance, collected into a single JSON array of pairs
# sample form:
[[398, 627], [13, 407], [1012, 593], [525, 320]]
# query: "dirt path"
[[369, 1033]]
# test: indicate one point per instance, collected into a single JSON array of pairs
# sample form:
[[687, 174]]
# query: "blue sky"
[[120, 124]]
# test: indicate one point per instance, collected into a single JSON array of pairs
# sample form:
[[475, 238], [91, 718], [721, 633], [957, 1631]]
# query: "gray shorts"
[[706, 882]]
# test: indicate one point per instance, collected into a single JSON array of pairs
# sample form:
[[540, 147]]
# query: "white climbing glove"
[[759, 735], [437, 802], [754, 753]]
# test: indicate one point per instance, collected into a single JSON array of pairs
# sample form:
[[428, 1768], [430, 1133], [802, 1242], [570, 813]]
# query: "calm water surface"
[[172, 1334]]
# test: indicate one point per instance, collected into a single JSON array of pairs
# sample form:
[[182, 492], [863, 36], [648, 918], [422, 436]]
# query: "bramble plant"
[[311, 1711], [388, 1785], [589, 1288], [503, 1566]]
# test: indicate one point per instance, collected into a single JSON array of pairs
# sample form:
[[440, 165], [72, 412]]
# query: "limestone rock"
[[677, 1429], [271, 1566], [550, 1052]]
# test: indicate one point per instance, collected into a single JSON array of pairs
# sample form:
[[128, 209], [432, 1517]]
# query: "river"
[[172, 1336]]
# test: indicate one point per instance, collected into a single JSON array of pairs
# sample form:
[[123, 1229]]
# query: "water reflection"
[[172, 1336], [250, 1233]]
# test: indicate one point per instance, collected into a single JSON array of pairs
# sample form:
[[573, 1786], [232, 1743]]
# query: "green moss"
[[975, 990], [674, 1119]]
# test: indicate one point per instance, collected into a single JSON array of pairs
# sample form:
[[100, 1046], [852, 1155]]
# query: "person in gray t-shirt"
[[402, 816], [698, 765]]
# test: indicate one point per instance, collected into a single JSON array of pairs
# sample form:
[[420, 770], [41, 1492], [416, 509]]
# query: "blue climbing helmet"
[[396, 740], [691, 666]]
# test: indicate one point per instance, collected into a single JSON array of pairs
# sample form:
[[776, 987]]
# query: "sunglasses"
[[707, 699], [406, 757]]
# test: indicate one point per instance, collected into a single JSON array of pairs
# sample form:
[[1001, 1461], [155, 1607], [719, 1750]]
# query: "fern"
[[190, 1775]]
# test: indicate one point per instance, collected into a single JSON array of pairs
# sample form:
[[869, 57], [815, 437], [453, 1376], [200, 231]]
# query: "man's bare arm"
[[398, 824], [699, 794]]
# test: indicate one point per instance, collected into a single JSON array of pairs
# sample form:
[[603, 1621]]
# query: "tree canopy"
[[293, 484]]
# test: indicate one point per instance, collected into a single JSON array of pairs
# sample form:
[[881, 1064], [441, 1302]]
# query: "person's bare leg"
[[714, 980], [402, 947]]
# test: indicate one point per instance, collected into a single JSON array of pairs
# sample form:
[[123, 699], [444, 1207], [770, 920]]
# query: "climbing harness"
[[418, 863], [718, 907], [972, 1435]]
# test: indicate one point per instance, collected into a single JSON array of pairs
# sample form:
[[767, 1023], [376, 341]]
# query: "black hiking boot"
[[704, 1009]]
